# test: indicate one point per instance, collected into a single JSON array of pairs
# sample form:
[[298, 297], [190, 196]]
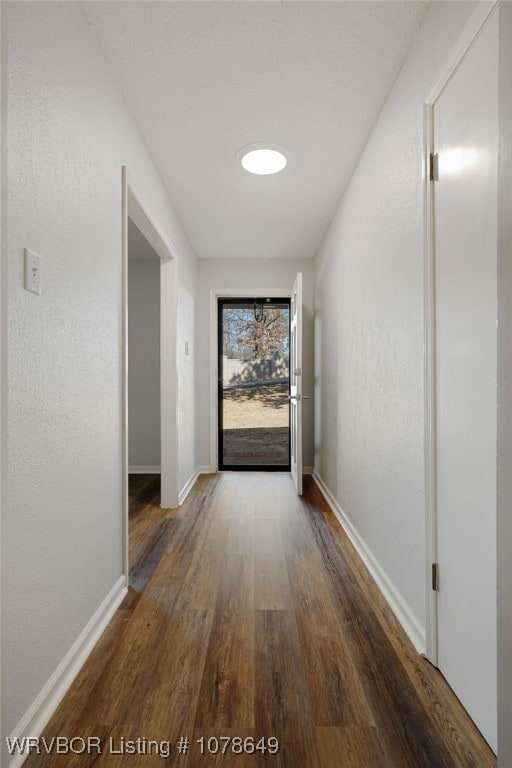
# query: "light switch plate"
[[32, 272]]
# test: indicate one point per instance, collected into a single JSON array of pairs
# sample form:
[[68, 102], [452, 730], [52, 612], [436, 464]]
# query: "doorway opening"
[[254, 384], [144, 433], [149, 381], [144, 372]]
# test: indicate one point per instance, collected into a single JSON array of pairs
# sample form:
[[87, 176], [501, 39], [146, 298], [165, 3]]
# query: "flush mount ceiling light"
[[262, 161]]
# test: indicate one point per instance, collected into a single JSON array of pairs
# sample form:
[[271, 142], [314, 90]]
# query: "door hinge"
[[433, 167], [435, 577]]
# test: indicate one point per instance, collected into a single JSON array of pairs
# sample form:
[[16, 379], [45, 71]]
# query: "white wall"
[[249, 273], [3, 364], [369, 326], [143, 361], [69, 132]]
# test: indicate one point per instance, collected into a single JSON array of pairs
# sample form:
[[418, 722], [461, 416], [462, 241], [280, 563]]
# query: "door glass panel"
[[254, 384]]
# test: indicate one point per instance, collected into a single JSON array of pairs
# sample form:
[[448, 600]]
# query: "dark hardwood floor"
[[250, 615]]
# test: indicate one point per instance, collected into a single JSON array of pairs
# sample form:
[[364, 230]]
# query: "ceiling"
[[203, 79]]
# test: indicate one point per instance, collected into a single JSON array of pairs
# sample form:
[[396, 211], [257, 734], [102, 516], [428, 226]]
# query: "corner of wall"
[[187, 487], [409, 622], [49, 698]]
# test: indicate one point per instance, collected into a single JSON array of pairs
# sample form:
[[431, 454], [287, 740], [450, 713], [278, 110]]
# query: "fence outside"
[[240, 372]]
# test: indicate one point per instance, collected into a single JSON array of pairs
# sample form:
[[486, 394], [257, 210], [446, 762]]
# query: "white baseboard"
[[204, 470], [144, 470], [39, 713], [414, 630], [187, 487], [307, 470]]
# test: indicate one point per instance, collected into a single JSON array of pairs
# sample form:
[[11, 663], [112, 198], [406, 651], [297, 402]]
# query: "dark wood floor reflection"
[[250, 615]]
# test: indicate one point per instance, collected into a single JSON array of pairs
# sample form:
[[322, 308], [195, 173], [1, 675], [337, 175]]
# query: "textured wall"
[[3, 363], [68, 134], [369, 325], [144, 362], [248, 273]]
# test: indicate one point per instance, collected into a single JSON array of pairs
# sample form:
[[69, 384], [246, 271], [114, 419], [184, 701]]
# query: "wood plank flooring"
[[250, 615]]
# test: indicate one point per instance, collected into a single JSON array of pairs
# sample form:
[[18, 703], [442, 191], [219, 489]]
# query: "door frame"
[[468, 36], [139, 213], [220, 439], [227, 293]]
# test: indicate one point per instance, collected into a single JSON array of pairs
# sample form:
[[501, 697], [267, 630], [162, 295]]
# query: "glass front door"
[[254, 384]]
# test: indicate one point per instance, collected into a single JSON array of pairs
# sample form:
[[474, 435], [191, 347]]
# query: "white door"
[[296, 383], [465, 215]]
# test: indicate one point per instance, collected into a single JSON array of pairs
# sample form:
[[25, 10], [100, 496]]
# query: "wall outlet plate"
[[32, 272]]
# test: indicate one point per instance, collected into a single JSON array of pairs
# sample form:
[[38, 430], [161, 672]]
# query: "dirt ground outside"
[[256, 425], [264, 406]]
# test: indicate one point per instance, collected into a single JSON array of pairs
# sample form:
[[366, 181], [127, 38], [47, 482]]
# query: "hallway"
[[249, 614]]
